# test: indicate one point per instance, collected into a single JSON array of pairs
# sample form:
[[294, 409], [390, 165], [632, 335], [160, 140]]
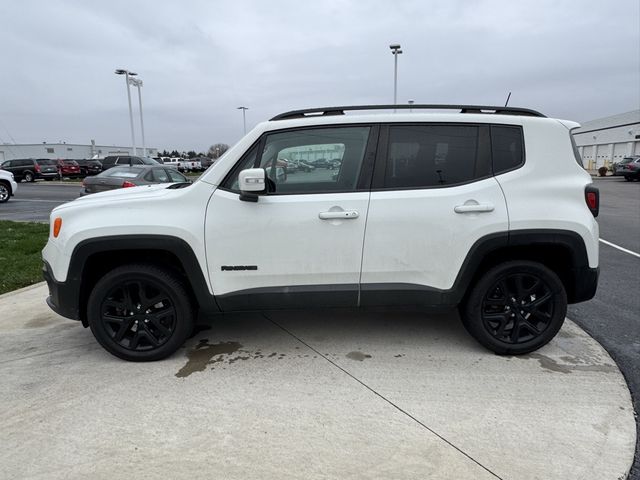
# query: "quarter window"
[[506, 148], [423, 156]]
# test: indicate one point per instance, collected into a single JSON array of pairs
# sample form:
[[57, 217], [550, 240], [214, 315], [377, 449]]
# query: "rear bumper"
[[585, 284], [63, 298]]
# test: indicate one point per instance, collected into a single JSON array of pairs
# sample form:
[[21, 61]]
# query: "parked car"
[[68, 168], [89, 166], [8, 186], [134, 176], [113, 160], [31, 169], [503, 227], [629, 168], [320, 163]]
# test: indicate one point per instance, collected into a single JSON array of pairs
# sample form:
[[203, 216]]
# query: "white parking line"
[[620, 248]]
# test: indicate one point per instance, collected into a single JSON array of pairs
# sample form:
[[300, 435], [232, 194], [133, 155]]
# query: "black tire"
[[128, 324], [628, 178], [48, 179], [5, 192], [515, 308], [29, 177]]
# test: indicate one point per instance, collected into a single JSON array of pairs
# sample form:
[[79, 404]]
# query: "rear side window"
[[423, 156], [507, 148]]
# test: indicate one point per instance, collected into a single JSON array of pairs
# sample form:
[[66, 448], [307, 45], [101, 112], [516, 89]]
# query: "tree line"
[[215, 151]]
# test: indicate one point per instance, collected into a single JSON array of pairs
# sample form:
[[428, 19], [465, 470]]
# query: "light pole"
[[395, 50], [128, 74], [136, 82], [244, 118], [410, 102]]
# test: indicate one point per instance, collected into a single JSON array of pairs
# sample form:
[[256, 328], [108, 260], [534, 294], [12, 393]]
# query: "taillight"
[[127, 184], [592, 197], [36, 167]]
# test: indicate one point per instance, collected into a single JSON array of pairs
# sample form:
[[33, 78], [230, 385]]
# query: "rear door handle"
[[346, 214], [474, 208]]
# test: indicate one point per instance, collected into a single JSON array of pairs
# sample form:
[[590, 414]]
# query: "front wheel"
[[140, 313], [515, 307]]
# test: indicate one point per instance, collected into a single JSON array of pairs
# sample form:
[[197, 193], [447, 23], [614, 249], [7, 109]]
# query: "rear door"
[[433, 198], [301, 244]]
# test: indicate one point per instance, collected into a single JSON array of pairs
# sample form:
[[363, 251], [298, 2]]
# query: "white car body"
[[9, 182], [231, 226]]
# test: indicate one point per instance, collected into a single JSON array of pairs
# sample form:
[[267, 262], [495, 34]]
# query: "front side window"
[[423, 156], [291, 159], [176, 177]]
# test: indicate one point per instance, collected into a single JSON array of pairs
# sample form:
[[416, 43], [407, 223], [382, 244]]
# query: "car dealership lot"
[[325, 394], [611, 318]]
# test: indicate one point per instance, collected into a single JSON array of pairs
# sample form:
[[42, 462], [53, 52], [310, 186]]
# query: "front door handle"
[[345, 214], [474, 208]]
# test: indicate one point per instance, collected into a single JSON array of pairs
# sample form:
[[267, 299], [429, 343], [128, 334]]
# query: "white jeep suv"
[[485, 208]]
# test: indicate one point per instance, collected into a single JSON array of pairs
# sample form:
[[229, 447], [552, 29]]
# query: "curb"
[[23, 289]]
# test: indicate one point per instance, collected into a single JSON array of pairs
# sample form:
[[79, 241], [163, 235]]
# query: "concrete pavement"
[[330, 394]]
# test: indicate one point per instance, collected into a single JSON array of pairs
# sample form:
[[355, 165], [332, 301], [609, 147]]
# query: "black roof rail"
[[317, 112]]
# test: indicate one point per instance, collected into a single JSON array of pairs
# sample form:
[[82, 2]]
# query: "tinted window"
[[109, 160], [433, 156], [24, 163], [289, 159], [506, 148]]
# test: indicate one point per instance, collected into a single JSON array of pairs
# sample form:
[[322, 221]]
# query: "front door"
[[301, 244]]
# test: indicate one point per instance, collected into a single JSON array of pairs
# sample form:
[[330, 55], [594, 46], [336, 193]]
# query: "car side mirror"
[[252, 182]]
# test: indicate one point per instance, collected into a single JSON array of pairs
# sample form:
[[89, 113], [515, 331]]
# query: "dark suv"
[[89, 167], [112, 161], [32, 169]]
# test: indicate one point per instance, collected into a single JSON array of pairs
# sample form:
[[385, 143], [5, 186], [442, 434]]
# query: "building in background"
[[73, 151], [608, 140]]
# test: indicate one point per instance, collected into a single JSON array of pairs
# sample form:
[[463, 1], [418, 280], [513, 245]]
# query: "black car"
[[31, 169], [113, 160], [89, 166], [629, 168]]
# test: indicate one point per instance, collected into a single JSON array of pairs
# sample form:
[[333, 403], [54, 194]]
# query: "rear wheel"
[[515, 308], [28, 177], [140, 313], [628, 178]]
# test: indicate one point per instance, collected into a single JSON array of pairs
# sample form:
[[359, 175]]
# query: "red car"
[[68, 168]]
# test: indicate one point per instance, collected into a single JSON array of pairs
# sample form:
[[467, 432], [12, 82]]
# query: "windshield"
[[149, 161]]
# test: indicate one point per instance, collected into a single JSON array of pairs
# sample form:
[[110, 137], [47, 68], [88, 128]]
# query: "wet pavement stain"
[[359, 356], [202, 354], [552, 365]]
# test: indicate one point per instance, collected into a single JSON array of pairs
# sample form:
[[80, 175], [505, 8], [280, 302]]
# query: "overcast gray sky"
[[200, 60]]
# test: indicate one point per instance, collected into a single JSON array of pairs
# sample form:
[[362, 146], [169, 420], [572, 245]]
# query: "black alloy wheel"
[[140, 312], [516, 307]]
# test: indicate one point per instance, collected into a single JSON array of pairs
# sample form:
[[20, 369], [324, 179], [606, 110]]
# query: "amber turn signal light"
[[57, 225]]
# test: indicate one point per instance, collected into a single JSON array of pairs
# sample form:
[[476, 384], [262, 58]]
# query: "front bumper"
[[63, 297]]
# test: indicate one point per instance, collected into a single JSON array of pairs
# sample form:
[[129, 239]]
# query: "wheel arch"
[[563, 251], [93, 258]]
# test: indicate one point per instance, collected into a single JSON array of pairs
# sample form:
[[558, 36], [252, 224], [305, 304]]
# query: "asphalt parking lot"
[[611, 317]]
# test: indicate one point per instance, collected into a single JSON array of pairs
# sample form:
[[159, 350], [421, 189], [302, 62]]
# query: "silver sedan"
[[130, 176]]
